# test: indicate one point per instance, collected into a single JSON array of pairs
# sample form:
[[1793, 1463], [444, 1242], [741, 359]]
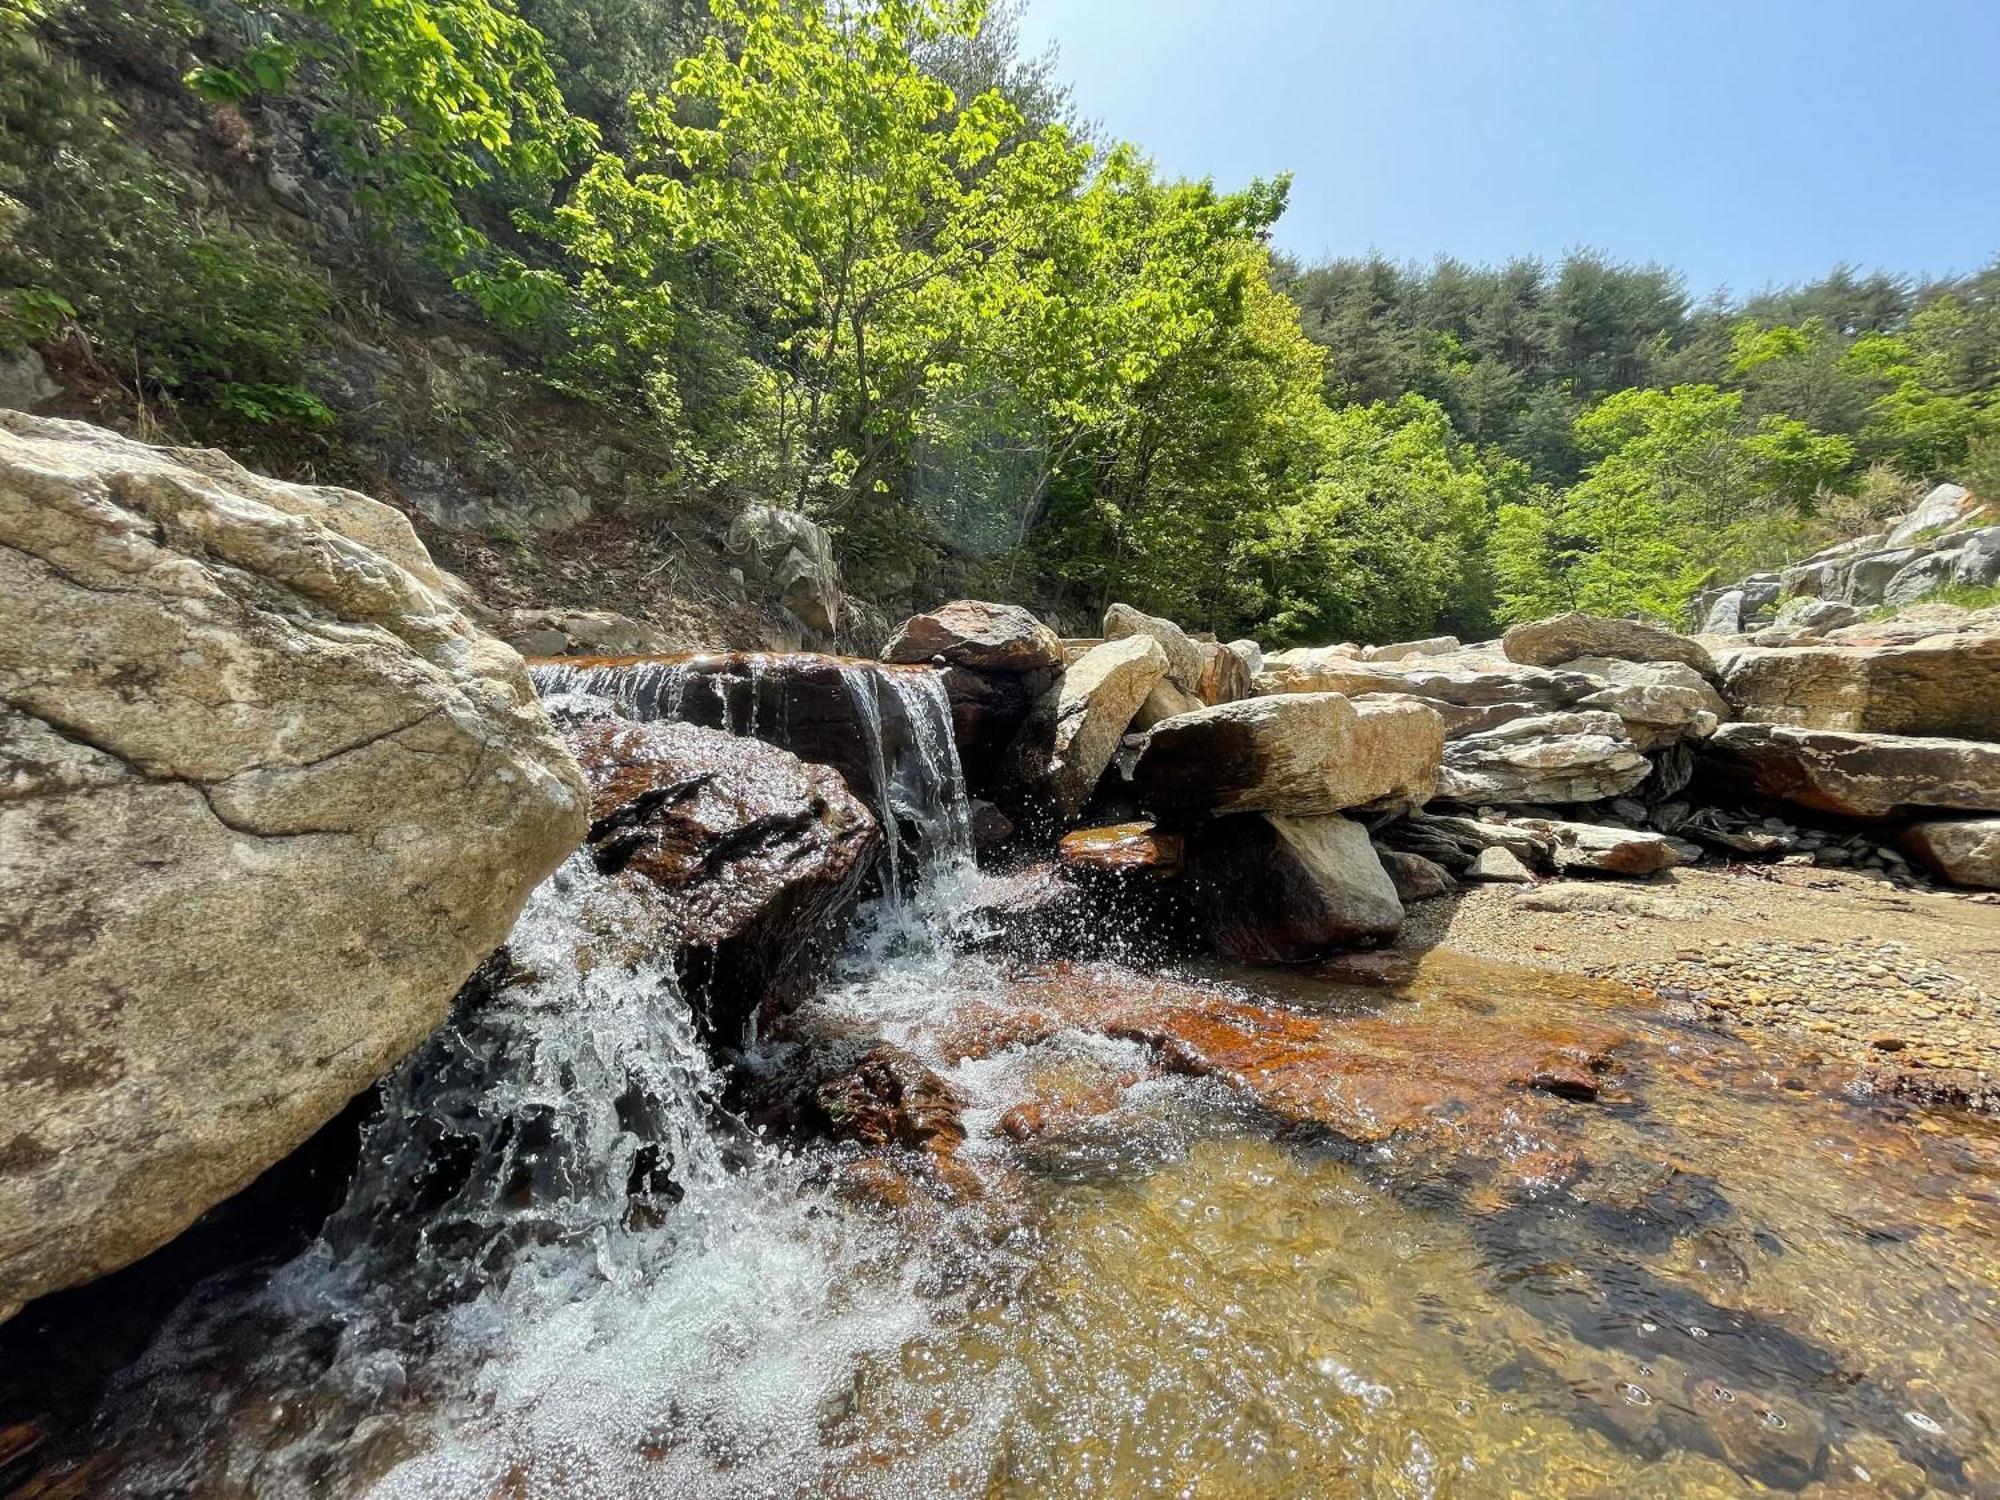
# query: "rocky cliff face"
[[270, 797]]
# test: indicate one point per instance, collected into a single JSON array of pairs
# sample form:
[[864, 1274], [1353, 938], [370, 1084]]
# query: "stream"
[[1347, 1248]]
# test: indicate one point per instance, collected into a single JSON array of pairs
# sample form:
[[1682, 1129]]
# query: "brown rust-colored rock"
[[888, 1097], [755, 858], [973, 633], [823, 709], [1124, 848]]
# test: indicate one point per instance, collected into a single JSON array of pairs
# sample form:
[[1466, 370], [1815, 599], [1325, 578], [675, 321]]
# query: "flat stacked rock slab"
[[1947, 685], [1298, 753], [1857, 775], [1070, 738], [1544, 758]]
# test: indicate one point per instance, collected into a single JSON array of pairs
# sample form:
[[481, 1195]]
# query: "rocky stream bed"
[[1013, 1067]]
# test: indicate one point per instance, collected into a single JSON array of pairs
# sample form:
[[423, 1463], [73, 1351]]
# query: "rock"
[[1594, 849], [1571, 757], [757, 859], [1976, 565], [1074, 646], [1946, 685], [1550, 643], [990, 826], [972, 633], [859, 717], [1498, 864], [988, 711], [1916, 580], [1868, 577], [1317, 669], [1416, 878], [1656, 715], [24, 380], [1297, 753], [1652, 674], [1725, 614], [1945, 506], [1164, 702], [1082, 718], [797, 554], [578, 632], [1186, 660], [1816, 614], [1437, 645], [1965, 852], [888, 1097], [1123, 849], [269, 799], [1455, 842], [1277, 889], [1226, 672], [1251, 655], [1856, 775]]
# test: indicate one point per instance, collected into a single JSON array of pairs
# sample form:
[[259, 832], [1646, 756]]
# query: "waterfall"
[[562, 1266], [887, 729]]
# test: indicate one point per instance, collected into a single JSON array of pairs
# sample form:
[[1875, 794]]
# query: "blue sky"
[[1746, 143]]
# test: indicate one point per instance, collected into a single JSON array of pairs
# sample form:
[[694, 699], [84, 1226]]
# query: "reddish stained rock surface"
[[1448, 1078], [889, 1098], [1124, 847], [756, 858]]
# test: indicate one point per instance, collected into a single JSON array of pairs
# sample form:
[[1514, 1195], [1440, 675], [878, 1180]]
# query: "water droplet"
[[1725, 1395], [1645, 1327], [1635, 1394], [1696, 1331], [1923, 1423], [1772, 1419]]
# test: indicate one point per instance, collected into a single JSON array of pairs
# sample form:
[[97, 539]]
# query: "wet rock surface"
[[755, 860], [1275, 889]]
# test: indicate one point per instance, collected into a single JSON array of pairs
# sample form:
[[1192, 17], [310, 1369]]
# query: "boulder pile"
[[1308, 793]]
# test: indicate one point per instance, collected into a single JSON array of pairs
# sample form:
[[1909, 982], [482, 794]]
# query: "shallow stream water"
[[1383, 1262]]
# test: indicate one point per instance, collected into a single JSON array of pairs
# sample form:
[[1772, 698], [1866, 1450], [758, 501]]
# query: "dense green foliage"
[[862, 258]]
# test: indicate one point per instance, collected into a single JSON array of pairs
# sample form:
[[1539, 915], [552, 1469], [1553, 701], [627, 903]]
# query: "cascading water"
[[563, 1268]]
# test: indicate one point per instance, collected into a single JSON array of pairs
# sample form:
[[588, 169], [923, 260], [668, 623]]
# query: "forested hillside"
[[866, 261]]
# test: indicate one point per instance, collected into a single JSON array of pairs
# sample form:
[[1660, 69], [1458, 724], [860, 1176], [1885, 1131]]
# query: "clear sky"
[[1745, 143]]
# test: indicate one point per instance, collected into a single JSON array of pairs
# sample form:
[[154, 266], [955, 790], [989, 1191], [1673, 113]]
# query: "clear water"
[[565, 1270]]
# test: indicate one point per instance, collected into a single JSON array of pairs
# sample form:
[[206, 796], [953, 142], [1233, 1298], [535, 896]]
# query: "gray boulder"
[[1185, 658], [1278, 889], [796, 553], [1555, 758], [1964, 851]]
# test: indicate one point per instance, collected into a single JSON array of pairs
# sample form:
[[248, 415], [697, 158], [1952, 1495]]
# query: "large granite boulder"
[[1226, 671], [270, 798], [1945, 506], [1186, 660], [1295, 753], [1603, 849], [795, 554], [752, 860], [1550, 643], [972, 633], [1564, 757], [1286, 889], [1070, 738], [1965, 851], [1946, 685], [1856, 775]]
